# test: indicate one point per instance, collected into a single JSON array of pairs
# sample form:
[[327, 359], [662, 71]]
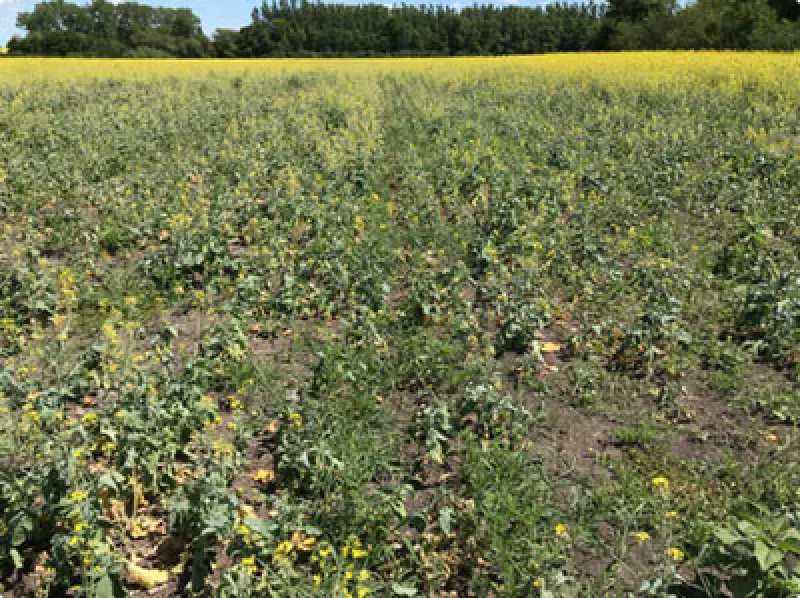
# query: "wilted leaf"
[[143, 526], [146, 578]]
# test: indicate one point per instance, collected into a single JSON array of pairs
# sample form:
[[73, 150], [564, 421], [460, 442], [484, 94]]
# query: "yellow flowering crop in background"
[[731, 69]]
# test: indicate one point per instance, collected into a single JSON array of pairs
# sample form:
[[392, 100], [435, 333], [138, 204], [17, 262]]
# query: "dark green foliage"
[[59, 28], [305, 29]]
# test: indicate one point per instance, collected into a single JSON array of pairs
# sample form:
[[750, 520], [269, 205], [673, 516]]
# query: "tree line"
[[302, 28], [60, 28]]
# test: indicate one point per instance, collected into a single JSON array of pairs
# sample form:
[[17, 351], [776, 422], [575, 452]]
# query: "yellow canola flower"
[[78, 495], [642, 537], [264, 476], [111, 335], [249, 565], [656, 69], [660, 483], [561, 530], [676, 554]]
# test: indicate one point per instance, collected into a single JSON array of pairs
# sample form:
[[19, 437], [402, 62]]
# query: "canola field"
[[513, 327]]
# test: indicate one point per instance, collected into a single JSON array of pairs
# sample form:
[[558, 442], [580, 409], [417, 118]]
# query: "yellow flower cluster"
[[288, 550], [248, 564], [350, 576]]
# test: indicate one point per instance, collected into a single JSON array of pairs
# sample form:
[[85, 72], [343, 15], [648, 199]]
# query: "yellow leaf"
[[550, 348], [138, 493], [146, 578], [247, 512], [143, 526], [137, 531]]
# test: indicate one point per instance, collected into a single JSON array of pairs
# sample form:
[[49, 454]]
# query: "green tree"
[[226, 43], [61, 28], [638, 10]]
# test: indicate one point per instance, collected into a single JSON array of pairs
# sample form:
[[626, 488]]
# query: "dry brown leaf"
[[98, 468], [181, 473], [113, 509]]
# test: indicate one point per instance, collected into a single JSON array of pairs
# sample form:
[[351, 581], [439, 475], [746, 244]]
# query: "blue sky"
[[215, 14]]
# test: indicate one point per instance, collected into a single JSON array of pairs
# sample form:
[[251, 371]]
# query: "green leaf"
[[404, 589], [761, 553], [17, 558], [726, 536], [745, 586], [748, 528], [110, 480], [774, 557], [790, 545], [446, 520], [21, 532], [104, 588]]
